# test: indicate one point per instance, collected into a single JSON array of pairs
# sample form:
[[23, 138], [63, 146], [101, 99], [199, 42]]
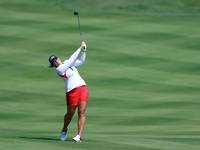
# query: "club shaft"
[[80, 28]]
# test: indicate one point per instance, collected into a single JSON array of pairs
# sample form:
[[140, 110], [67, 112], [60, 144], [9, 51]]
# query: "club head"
[[75, 13]]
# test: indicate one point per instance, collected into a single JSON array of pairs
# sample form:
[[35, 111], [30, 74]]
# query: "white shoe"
[[63, 135], [77, 138]]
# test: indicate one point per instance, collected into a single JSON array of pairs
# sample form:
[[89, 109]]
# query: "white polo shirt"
[[69, 73]]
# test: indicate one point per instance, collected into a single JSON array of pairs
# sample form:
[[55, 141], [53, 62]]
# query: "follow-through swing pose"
[[76, 89]]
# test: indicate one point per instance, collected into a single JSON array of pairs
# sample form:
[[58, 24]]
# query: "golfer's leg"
[[81, 116], [68, 116]]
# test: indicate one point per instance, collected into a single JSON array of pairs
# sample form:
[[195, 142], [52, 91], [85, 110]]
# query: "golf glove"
[[84, 48]]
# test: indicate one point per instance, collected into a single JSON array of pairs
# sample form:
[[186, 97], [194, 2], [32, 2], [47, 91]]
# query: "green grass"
[[142, 71]]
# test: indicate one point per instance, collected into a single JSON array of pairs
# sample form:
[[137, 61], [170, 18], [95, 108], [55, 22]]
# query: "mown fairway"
[[142, 70]]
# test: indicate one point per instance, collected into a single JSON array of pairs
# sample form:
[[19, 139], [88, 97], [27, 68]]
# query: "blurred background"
[[142, 70]]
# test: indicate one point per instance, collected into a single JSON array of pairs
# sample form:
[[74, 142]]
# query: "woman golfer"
[[76, 89]]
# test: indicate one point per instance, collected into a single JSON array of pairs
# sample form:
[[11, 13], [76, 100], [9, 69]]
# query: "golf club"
[[76, 13]]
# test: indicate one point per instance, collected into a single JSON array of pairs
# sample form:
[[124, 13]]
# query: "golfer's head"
[[52, 60]]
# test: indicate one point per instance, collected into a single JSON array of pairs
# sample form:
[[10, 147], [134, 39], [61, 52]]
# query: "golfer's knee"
[[70, 113], [81, 113]]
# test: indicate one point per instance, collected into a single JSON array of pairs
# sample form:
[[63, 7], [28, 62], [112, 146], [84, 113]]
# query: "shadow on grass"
[[43, 138]]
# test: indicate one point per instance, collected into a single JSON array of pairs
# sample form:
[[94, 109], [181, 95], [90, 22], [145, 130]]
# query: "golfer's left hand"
[[83, 46]]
